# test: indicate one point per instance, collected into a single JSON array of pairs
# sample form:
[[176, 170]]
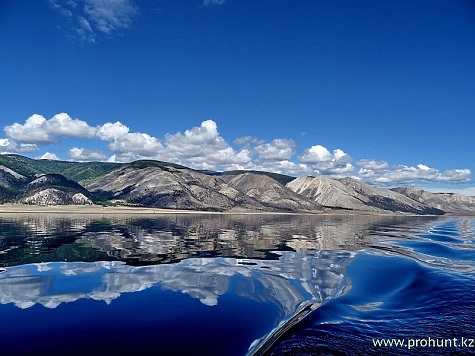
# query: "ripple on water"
[[368, 277], [395, 294]]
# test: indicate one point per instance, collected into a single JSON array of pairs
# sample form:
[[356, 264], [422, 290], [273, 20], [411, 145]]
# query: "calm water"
[[236, 285]]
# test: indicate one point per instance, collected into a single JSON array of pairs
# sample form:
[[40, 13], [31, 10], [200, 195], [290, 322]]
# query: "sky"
[[381, 91]]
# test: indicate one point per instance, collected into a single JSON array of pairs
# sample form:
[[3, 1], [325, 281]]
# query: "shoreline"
[[89, 209], [106, 210], [113, 210]]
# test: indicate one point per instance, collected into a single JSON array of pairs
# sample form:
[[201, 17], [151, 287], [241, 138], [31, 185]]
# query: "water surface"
[[235, 284]]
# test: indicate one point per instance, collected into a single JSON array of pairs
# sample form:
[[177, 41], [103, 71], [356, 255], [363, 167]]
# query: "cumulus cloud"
[[112, 131], [335, 164], [248, 141], [38, 130], [371, 164], [380, 172], [274, 156], [206, 133], [199, 147], [138, 143], [85, 154], [86, 19], [292, 168], [316, 154], [216, 159], [203, 147], [49, 155], [129, 145], [282, 167], [8, 145], [276, 150], [455, 176]]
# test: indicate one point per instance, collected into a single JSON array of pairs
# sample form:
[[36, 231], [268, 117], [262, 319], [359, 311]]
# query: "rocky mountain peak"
[[351, 194], [165, 185], [449, 202]]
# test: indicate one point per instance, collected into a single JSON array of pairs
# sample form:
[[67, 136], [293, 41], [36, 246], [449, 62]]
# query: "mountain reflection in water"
[[227, 284], [172, 238]]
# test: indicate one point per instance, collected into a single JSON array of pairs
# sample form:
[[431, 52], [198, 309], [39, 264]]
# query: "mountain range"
[[149, 183]]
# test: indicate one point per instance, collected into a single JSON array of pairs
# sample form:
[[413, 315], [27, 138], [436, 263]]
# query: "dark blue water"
[[236, 285], [413, 285]]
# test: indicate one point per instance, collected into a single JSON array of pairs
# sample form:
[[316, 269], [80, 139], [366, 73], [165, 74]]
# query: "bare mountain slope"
[[270, 193], [449, 202], [170, 188], [386, 199], [9, 178], [51, 196], [54, 189], [188, 189], [348, 193], [327, 192], [162, 184]]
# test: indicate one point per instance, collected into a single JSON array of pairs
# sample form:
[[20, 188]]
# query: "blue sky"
[[382, 91]]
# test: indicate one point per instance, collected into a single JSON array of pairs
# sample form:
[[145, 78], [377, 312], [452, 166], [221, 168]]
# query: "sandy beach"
[[100, 210], [126, 210], [89, 209]]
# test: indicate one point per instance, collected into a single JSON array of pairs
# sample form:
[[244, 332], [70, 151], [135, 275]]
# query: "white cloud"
[[454, 176], [247, 141], [38, 130], [129, 145], [283, 167], [371, 164], [84, 30], [323, 162], [110, 15], [213, 160], [112, 131], [31, 131], [423, 167], [138, 143], [205, 134], [277, 150], [274, 156], [8, 145], [49, 155], [316, 154], [63, 125], [85, 19], [200, 147], [292, 168], [381, 173], [84, 154], [203, 147]]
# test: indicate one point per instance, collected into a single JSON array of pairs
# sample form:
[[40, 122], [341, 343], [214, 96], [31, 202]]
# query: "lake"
[[217, 284]]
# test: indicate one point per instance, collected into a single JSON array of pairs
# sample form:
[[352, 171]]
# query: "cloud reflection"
[[287, 282]]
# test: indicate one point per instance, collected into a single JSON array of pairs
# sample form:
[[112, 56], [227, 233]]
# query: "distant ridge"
[[281, 178], [350, 194], [150, 183], [449, 202], [174, 188]]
